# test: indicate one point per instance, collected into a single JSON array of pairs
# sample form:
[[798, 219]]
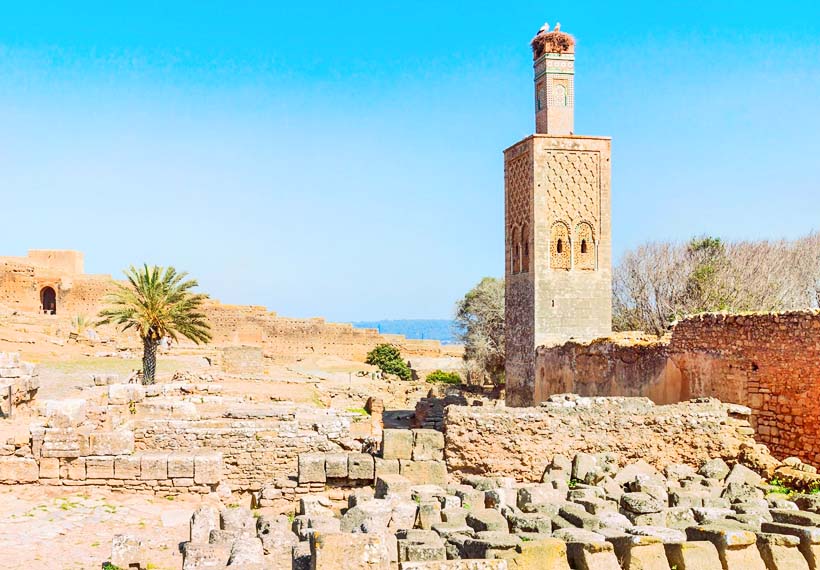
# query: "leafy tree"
[[480, 326], [389, 360], [157, 302], [442, 377]]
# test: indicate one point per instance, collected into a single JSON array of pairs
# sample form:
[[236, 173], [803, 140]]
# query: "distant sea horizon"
[[422, 329]]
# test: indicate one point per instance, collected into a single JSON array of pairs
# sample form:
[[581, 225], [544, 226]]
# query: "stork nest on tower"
[[552, 42]]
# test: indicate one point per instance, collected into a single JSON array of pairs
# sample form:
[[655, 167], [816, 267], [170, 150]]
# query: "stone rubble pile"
[[585, 514]]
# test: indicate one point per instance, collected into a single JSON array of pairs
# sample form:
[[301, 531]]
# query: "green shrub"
[[442, 377], [389, 360]]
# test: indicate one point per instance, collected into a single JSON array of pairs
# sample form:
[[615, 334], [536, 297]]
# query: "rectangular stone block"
[[346, 551], [397, 444], [386, 466], [120, 394], [18, 469], [361, 466], [423, 472], [693, 555], [99, 467], [127, 467], [180, 465], [153, 466], [312, 468], [428, 445], [120, 442], [49, 468], [208, 468], [75, 469], [336, 466], [392, 485]]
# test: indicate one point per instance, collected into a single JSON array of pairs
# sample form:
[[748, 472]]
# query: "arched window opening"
[[560, 246], [48, 300], [584, 255]]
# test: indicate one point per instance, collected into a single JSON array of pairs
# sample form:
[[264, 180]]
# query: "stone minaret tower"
[[557, 225]]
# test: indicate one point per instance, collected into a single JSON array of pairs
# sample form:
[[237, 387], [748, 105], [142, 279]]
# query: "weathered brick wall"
[[769, 362], [521, 442]]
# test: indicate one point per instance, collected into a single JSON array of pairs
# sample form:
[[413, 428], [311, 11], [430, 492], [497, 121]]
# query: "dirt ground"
[[64, 528]]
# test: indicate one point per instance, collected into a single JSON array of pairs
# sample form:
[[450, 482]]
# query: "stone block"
[[639, 552], [428, 445], [386, 466], [153, 465], [203, 521], [180, 465], [312, 468], [429, 513], [126, 552], [360, 466], [397, 444], [693, 555], [368, 516], [99, 467], [542, 554], [781, 551], [64, 413], [199, 556], [49, 468], [486, 519], [417, 551], [247, 552], [641, 503], [336, 466], [491, 544], [530, 498], [392, 485], [495, 564], [809, 540], [330, 551], [119, 394], [423, 472], [120, 442], [208, 468], [529, 522], [592, 556], [75, 469], [18, 469], [127, 467], [736, 548]]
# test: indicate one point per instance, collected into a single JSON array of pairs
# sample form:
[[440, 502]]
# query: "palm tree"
[[157, 302]]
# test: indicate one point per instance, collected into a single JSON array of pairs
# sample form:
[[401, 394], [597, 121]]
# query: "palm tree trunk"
[[149, 360]]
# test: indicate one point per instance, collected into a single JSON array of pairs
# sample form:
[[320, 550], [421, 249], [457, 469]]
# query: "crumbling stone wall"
[[768, 362], [257, 445], [520, 442]]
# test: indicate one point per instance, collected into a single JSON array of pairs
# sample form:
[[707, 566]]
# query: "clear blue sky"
[[344, 159]]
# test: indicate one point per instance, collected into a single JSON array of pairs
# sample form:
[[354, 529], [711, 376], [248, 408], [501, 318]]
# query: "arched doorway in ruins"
[[48, 300]]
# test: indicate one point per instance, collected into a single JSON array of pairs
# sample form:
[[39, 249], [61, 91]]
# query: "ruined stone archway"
[[48, 300]]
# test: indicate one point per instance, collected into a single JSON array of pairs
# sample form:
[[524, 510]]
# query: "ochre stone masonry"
[[557, 226], [520, 442], [768, 362], [53, 282]]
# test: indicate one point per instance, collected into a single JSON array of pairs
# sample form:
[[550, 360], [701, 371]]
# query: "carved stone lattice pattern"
[[518, 180], [560, 246], [584, 247], [574, 186]]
